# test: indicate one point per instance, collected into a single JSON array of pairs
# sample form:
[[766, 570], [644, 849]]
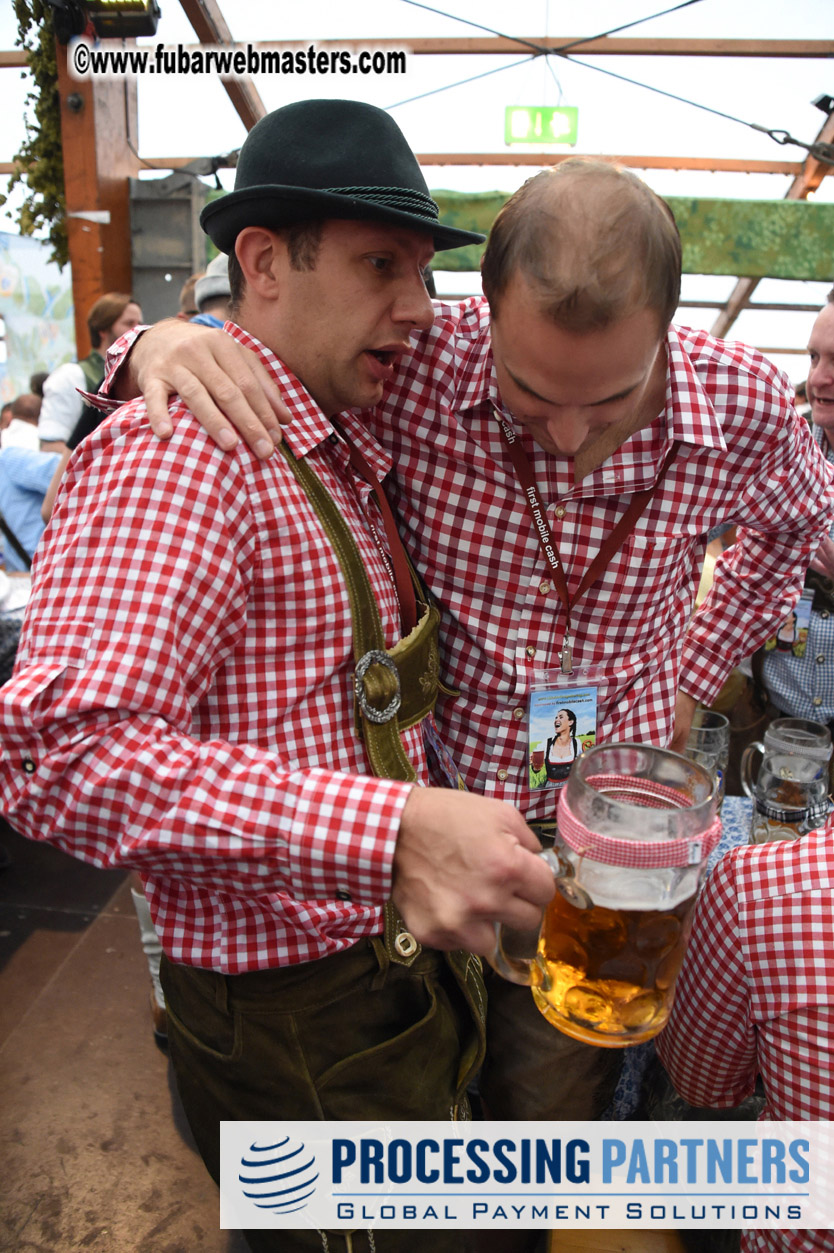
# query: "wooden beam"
[[16, 59], [806, 181], [98, 125], [755, 306], [737, 165], [483, 45], [207, 15], [210, 28]]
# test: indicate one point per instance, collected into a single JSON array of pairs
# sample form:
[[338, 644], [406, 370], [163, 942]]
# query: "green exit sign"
[[533, 124]]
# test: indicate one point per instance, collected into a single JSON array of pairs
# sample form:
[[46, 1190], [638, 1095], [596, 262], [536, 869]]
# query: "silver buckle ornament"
[[376, 657]]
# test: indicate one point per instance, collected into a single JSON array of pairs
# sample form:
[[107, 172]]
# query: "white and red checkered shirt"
[[182, 702], [745, 457], [756, 993]]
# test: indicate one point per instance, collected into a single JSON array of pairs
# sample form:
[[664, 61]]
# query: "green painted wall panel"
[[749, 238]]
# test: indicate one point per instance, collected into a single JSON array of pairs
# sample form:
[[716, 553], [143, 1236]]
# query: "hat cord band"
[[394, 197]]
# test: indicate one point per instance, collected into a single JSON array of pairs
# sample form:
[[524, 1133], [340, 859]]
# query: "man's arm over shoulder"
[[224, 384]]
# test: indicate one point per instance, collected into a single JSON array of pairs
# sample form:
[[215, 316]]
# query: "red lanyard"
[[547, 542], [395, 558]]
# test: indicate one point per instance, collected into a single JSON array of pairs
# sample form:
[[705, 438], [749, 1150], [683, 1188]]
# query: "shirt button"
[[560, 511], [502, 776], [518, 713], [824, 614], [820, 659], [544, 588], [29, 765], [530, 650], [817, 701], [342, 895], [334, 438]]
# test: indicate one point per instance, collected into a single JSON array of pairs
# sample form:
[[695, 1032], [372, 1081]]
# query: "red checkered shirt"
[[756, 993], [745, 457], [182, 702]]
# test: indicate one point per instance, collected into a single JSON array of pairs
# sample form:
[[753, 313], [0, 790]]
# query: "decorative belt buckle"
[[376, 657]]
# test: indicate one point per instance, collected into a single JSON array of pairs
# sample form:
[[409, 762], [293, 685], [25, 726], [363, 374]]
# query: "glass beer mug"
[[797, 737], [636, 826], [790, 797]]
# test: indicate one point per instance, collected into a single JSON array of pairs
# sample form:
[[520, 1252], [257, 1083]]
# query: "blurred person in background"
[[797, 670], [212, 293], [21, 429], [187, 304]]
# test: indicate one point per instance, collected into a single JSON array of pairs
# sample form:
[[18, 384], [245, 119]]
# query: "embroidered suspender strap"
[[395, 688], [415, 664], [403, 575]]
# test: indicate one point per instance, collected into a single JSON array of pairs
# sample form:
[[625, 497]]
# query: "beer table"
[[736, 819]]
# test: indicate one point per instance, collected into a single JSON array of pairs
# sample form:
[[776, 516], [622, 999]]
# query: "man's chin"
[[823, 417]]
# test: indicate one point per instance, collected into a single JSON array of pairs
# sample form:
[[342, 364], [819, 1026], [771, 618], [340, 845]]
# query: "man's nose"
[[568, 430], [414, 304], [821, 373]]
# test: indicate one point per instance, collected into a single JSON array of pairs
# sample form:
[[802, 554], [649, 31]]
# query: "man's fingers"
[[200, 403], [156, 401], [521, 915], [533, 880], [240, 401], [225, 386], [523, 835], [244, 390], [823, 561]]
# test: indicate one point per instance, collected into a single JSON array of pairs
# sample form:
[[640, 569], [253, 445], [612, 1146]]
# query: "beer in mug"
[[635, 827], [609, 971]]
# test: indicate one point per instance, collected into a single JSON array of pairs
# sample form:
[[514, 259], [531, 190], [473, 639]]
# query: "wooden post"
[[98, 122]]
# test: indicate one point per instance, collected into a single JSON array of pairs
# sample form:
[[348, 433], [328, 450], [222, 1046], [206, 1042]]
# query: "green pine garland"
[[41, 159]]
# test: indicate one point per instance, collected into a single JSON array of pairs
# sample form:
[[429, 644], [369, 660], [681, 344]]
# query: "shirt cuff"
[[345, 830], [703, 671]]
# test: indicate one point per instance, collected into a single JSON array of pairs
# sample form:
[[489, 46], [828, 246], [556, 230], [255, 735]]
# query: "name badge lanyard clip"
[[537, 510]]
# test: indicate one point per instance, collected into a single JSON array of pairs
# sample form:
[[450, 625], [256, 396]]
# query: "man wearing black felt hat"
[[248, 724]]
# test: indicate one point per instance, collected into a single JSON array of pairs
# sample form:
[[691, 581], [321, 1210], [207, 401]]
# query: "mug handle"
[[514, 953], [745, 770]]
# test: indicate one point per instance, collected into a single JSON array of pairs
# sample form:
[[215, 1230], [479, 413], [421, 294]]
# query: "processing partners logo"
[[331, 1176], [279, 1176]]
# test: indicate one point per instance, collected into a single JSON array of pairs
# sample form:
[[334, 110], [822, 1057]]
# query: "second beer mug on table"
[[636, 826], [790, 797], [796, 737], [709, 745]]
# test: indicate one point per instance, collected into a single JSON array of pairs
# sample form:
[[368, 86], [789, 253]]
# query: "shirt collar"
[[309, 426], [690, 415]]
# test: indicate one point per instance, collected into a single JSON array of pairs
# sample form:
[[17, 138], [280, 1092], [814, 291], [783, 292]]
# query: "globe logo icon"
[[279, 1177]]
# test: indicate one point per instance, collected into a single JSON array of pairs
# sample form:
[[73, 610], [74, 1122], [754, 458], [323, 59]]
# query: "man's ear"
[[260, 253]]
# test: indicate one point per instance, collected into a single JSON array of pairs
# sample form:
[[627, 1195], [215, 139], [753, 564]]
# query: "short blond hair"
[[594, 242]]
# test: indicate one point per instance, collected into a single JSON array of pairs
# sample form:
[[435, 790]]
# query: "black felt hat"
[[320, 159]]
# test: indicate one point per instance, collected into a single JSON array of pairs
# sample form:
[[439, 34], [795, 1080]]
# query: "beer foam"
[[626, 887]]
